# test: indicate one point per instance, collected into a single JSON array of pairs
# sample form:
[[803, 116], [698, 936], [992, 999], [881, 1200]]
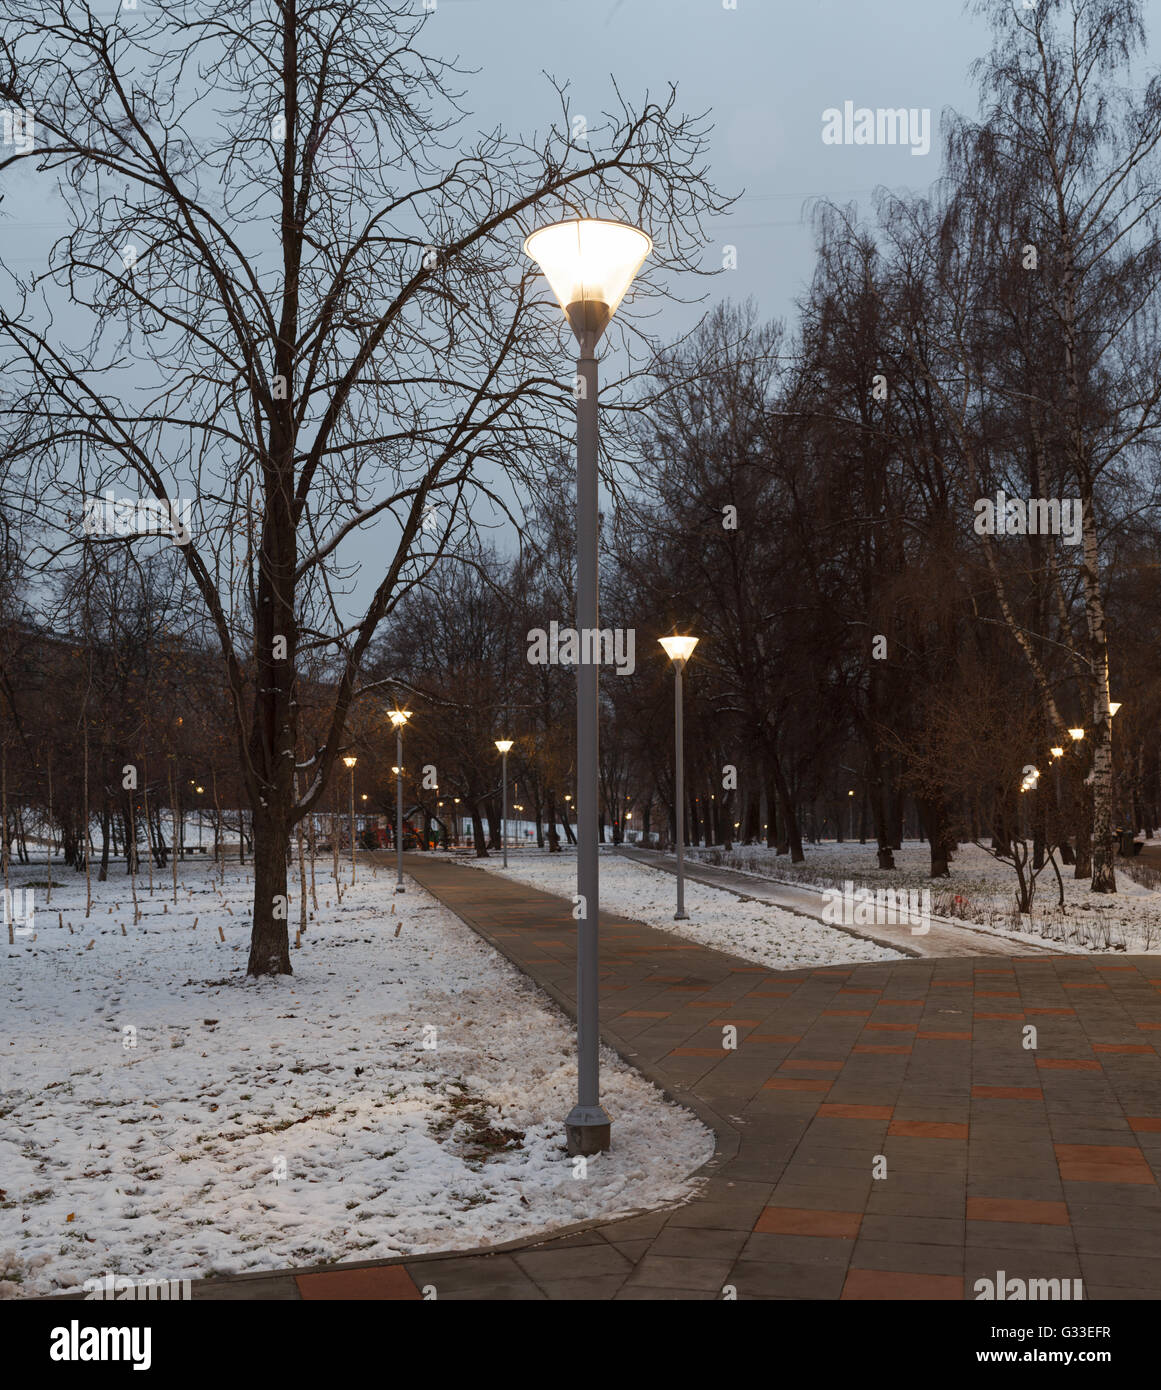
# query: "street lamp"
[[1076, 734], [589, 264], [350, 763], [399, 717], [503, 744], [851, 804], [679, 650]]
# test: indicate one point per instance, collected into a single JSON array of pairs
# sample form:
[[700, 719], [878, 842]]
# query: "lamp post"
[[503, 744], [399, 717], [679, 650], [350, 762], [851, 803], [589, 264]]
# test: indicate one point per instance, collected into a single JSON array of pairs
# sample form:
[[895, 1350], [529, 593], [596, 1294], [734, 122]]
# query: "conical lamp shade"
[[590, 264]]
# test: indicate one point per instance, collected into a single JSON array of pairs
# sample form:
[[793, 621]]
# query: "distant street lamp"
[[1076, 734], [590, 264], [350, 762], [851, 803], [399, 717], [503, 744], [679, 650]]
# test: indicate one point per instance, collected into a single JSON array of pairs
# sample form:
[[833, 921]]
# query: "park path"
[[943, 938], [1042, 1163]]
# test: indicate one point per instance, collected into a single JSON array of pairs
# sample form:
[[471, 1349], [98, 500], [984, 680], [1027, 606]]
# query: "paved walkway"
[[882, 1130], [942, 939]]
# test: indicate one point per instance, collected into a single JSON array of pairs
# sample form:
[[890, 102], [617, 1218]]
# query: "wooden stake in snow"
[[91, 944], [123, 931], [221, 934], [399, 928], [195, 925]]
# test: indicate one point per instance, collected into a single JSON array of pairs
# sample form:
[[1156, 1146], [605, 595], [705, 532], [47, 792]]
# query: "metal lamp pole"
[[679, 650], [399, 717], [350, 762], [503, 744], [589, 263]]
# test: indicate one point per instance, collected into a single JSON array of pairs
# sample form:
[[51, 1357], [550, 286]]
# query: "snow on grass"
[[752, 930], [980, 890], [397, 1094]]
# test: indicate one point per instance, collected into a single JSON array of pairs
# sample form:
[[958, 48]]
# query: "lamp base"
[[399, 888], [681, 916], [587, 1130]]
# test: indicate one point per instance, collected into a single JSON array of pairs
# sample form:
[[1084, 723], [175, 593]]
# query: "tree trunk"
[[270, 932]]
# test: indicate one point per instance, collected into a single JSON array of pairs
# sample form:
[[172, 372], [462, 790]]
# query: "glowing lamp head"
[[678, 649], [399, 717], [1057, 752], [1076, 734], [503, 744], [1114, 705], [350, 762], [590, 263]]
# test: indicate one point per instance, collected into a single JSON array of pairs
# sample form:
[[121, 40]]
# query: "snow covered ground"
[[755, 931], [162, 1116], [980, 890]]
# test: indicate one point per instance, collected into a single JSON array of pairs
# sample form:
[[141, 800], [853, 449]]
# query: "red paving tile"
[[379, 1283], [1103, 1163], [1005, 1209], [870, 1284], [1145, 1124], [1066, 1064], [925, 1129], [1011, 1016], [1007, 1093], [1124, 1047], [902, 1048], [787, 1083], [1049, 1011], [957, 1037], [846, 1013], [797, 1221], [774, 1038]]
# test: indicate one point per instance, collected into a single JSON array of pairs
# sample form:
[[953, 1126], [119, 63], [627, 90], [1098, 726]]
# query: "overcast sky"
[[767, 71]]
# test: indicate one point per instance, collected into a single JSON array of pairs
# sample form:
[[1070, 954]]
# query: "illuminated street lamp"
[[1076, 735], [679, 650], [350, 763], [589, 264], [503, 744], [851, 803], [398, 718]]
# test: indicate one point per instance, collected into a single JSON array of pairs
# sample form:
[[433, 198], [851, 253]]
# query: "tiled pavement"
[[883, 1131]]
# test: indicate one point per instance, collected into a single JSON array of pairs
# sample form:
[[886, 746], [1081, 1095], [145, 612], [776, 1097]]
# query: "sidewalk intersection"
[[992, 1156]]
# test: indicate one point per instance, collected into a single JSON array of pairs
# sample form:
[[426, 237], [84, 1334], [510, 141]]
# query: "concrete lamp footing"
[[588, 1130]]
